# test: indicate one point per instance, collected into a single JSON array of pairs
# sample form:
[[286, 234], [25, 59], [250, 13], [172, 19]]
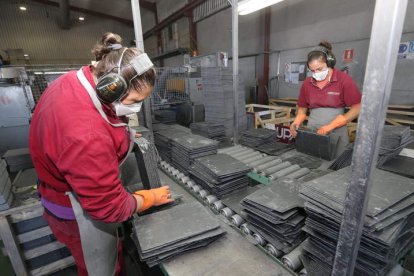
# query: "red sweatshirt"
[[74, 149]]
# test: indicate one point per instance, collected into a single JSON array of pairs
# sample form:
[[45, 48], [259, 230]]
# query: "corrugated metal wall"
[[208, 8], [37, 33]]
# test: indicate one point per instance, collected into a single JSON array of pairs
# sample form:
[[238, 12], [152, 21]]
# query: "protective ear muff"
[[330, 58], [112, 86]]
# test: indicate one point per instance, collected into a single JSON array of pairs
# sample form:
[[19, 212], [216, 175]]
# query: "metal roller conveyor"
[[227, 212], [260, 240], [245, 229], [196, 188], [303, 272], [190, 184], [210, 199], [298, 173], [262, 161], [203, 194], [284, 172], [237, 220], [276, 168], [254, 158], [292, 260], [273, 251], [230, 149], [267, 165], [217, 205], [246, 151], [247, 155]]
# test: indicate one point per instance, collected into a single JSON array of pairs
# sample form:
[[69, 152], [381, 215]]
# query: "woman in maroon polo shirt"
[[326, 94]]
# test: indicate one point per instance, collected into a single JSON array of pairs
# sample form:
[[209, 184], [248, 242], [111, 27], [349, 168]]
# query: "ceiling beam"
[[87, 11], [173, 17]]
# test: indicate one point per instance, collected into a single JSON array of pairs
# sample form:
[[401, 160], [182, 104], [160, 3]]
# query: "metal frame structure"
[[235, 62], [382, 57]]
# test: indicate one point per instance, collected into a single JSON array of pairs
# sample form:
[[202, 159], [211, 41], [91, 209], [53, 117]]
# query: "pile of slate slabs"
[[321, 146], [402, 165], [388, 231], [213, 131], [276, 213], [163, 140], [6, 196], [394, 140], [218, 98], [18, 159], [167, 233], [185, 149], [274, 148], [255, 137], [220, 174]]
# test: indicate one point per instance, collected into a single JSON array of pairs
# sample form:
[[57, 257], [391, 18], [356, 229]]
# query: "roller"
[[298, 173], [303, 272], [225, 150], [238, 150], [175, 172], [267, 165], [210, 199], [184, 179], [190, 184], [162, 163], [170, 169], [227, 212], [245, 229], [271, 250], [292, 260], [262, 161], [246, 156], [284, 172], [217, 205], [259, 239], [196, 188], [180, 175], [203, 194], [237, 220], [276, 168], [254, 158], [244, 152]]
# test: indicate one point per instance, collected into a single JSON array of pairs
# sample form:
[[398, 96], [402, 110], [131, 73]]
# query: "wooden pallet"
[[12, 241], [264, 114]]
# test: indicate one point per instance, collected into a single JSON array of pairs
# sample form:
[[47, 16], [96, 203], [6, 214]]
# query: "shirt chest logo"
[[333, 93]]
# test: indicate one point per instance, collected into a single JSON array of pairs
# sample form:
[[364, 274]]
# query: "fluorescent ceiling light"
[[22, 8], [81, 18], [249, 6]]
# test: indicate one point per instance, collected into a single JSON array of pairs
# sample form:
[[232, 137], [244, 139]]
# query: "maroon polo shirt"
[[341, 91]]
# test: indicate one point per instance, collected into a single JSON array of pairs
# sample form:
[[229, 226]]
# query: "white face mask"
[[126, 109], [320, 76]]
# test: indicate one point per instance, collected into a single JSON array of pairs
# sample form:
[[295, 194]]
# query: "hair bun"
[[326, 44], [102, 48]]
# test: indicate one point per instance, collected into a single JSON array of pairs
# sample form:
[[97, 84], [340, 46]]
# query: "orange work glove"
[[154, 197], [339, 121], [296, 124]]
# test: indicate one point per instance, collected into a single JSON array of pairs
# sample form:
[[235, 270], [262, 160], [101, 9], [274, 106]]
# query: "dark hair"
[[108, 59], [323, 50]]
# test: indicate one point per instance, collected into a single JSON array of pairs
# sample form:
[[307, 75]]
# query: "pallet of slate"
[[394, 139], [18, 159], [256, 137], [388, 232], [162, 235], [6, 196], [213, 131], [185, 149], [276, 213], [218, 98], [220, 174]]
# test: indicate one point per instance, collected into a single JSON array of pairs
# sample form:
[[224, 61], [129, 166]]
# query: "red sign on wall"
[[348, 55]]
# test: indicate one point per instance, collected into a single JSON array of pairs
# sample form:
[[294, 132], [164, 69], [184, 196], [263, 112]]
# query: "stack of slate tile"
[[256, 137], [321, 146], [274, 148], [165, 116], [167, 233], [163, 136], [402, 165], [213, 131], [18, 159], [6, 196], [388, 231], [185, 149], [394, 140], [218, 98], [220, 174], [276, 213]]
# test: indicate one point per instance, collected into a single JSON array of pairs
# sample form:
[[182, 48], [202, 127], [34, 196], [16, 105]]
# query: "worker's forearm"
[[302, 111], [353, 113], [140, 201]]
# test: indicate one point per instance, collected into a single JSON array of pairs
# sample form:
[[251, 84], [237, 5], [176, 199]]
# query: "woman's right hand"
[[296, 123], [153, 197]]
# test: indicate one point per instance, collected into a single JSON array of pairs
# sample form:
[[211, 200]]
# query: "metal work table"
[[232, 254]]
